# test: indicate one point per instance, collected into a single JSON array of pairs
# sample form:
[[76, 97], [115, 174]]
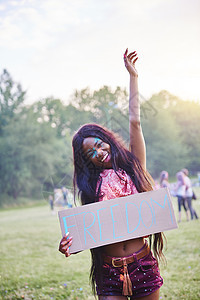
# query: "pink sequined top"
[[113, 187]]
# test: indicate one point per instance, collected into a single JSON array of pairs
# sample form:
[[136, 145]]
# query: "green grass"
[[31, 267], [21, 202]]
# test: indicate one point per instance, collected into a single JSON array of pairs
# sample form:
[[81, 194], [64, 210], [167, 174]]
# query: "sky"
[[53, 47]]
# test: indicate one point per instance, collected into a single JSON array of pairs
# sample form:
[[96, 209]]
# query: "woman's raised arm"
[[137, 143]]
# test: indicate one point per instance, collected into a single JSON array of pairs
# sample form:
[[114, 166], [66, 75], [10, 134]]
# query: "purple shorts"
[[144, 274]]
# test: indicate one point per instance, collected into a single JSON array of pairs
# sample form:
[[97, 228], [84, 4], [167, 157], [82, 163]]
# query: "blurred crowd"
[[183, 190], [61, 197]]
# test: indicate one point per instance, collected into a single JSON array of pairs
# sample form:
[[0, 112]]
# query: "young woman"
[[105, 169], [189, 194], [180, 190], [164, 179]]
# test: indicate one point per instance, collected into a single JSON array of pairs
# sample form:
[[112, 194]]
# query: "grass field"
[[32, 268]]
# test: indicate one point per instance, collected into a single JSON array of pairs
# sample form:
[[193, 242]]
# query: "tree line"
[[35, 140]]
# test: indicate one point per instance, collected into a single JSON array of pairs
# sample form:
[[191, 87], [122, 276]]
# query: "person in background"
[[51, 202], [180, 190], [198, 176], [156, 185], [189, 194], [65, 195], [164, 179]]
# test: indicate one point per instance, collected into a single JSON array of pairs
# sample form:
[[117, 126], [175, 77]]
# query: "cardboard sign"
[[119, 219]]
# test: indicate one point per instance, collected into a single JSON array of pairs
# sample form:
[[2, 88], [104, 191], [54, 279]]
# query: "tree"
[[35, 140], [166, 149], [186, 114], [30, 151], [104, 106], [11, 99]]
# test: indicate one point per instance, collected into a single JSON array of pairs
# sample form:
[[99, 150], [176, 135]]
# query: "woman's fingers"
[[66, 235], [67, 253], [65, 246], [65, 249], [129, 61], [131, 54], [65, 243], [131, 57], [125, 54], [135, 60]]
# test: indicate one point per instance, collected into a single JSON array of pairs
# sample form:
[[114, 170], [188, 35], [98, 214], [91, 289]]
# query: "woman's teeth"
[[105, 156]]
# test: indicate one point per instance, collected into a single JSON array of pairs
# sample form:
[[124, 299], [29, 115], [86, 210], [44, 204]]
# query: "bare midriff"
[[124, 248]]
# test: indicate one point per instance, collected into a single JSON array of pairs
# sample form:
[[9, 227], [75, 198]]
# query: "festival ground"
[[32, 268]]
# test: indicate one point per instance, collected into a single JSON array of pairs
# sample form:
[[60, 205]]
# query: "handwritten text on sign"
[[119, 219]]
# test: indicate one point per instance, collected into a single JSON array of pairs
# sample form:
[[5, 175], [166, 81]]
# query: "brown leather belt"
[[121, 261]]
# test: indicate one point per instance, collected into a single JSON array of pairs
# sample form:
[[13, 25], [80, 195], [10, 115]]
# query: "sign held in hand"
[[119, 219]]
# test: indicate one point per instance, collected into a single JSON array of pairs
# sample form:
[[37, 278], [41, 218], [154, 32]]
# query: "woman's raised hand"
[[65, 244], [129, 61]]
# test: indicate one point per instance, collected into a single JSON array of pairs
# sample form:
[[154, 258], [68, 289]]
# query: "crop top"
[[113, 187]]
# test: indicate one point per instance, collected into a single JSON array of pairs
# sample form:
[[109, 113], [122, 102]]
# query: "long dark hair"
[[86, 176]]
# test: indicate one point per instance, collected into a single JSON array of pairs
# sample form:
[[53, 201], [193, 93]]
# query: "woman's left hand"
[[129, 61]]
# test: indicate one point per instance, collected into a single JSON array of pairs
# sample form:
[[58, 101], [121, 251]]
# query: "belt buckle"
[[115, 260]]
